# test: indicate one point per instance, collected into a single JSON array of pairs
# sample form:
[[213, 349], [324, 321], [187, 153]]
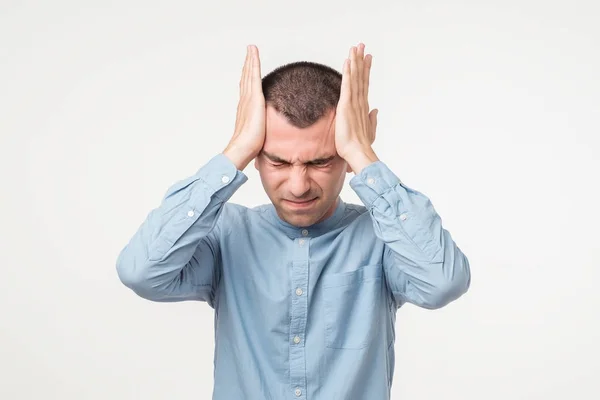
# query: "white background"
[[490, 108]]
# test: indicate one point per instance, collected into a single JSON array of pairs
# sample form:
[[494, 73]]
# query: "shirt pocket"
[[352, 306]]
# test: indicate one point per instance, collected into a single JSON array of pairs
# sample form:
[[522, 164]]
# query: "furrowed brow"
[[320, 160], [274, 158]]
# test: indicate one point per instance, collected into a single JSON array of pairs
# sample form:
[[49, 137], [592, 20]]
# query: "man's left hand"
[[354, 125]]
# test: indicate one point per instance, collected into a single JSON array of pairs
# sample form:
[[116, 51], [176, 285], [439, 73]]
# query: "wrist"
[[238, 157], [358, 160]]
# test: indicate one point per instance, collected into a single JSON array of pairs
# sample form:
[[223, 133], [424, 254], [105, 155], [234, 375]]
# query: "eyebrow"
[[320, 160]]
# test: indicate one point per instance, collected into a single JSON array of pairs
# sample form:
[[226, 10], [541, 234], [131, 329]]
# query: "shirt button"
[[297, 339], [301, 242], [298, 392], [403, 217], [225, 179], [304, 232], [299, 292], [370, 181], [190, 213]]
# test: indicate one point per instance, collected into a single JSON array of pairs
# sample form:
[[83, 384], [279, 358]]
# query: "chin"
[[299, 219]]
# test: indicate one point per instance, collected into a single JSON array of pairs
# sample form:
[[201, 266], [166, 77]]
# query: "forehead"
[[294, 144]]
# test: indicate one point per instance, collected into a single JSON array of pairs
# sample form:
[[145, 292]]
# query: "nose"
[[299, 181]]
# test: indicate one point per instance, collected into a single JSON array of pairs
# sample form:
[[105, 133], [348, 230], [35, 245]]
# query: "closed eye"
[[320, 164]]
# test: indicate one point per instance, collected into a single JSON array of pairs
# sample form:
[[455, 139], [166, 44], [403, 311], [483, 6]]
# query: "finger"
[[360, 54], [367, 75], [345, 95], [244, 71], [256, 74], [250, 74], [250, 68], [353, 81]]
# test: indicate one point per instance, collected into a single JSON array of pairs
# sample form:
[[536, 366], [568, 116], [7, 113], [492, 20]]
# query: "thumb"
[[373, 120]]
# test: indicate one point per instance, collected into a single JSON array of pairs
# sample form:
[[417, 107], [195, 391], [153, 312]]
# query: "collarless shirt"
[[300, 312]]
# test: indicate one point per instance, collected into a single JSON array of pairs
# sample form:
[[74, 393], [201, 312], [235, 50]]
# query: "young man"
[[305, 290]]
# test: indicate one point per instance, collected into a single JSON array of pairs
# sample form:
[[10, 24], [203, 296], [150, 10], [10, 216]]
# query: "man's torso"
[[302, 313]]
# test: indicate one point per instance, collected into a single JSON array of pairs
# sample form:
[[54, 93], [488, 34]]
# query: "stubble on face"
[[290, 176]]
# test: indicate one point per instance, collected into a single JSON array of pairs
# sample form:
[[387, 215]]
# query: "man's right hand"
[[249, 134]]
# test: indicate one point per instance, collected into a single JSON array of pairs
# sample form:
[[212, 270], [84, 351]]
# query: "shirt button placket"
[[299, 313]]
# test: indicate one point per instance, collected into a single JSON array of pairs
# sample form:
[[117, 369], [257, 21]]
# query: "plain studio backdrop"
[[490, 108]]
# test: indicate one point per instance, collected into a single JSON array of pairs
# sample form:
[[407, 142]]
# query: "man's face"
[[300, 168]]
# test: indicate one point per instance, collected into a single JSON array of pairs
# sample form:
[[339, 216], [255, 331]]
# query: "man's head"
[[299, 167]]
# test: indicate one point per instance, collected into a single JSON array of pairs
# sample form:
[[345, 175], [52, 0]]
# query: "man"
[[305, 290]]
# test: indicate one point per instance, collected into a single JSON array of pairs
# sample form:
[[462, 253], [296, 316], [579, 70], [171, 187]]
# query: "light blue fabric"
[[299, 313]]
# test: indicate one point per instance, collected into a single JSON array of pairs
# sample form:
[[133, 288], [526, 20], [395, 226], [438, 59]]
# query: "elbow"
[[126, 276], [449, 289], [130, 274], [137, 275], [446, 292]]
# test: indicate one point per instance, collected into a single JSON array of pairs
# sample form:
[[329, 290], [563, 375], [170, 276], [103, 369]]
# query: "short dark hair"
[[302, 91]]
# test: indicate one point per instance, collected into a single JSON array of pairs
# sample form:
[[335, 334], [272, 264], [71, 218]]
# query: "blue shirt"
[[300, 313]]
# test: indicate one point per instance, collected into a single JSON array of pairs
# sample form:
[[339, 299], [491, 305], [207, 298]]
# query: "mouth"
[[300, 204]]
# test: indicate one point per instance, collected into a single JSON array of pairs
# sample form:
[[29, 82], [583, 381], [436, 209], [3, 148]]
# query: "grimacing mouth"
[[301, 201]]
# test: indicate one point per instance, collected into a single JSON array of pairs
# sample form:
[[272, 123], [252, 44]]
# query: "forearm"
[[423, 264], [156, 257]]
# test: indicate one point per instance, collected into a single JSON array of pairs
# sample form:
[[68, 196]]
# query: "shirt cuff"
[[374, 181], [221, 177]]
